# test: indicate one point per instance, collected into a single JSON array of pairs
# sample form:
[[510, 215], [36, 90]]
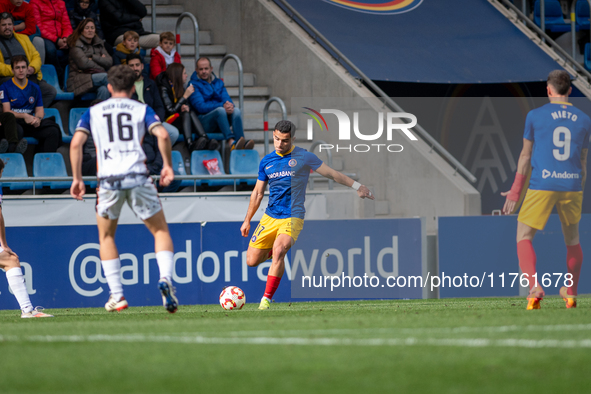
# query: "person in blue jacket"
[[215, 107]]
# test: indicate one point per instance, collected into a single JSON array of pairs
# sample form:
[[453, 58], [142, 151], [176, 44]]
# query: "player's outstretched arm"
[[255, 201], [339, 177], [523, 168], [167, 174], [78, 188]]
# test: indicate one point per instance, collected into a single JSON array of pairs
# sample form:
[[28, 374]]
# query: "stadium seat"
[[49, 112], [15, 167], [50, 76], [554, 21], [582, 14], [588, 56], [197, 167], [244, 162], [49, 165], [179, 165], [84, 97], [75, 115]]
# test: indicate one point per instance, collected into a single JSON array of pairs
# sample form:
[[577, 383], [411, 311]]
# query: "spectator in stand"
[[146, 92], [164, 55], [53, 21], [129, 45], [13, 44], [215, 107], [81, 11], [119, 16], [89, 62], [22, 97], [171, 85], [11, 141], [24, 22], [154, 163]]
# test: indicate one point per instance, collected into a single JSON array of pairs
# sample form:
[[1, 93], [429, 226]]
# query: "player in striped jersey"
[[118, 126]]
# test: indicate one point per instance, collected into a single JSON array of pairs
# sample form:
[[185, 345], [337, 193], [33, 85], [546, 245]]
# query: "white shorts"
[[143, 201]]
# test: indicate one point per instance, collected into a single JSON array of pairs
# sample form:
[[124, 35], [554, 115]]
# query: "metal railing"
[[329, 154], [154, 17], [266, 118], [573, 25], [344, 61], [177, 33], [566, 58], [240, 78], [41, 180]]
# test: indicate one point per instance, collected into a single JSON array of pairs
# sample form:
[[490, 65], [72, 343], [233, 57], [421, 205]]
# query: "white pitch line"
[[409, 341]]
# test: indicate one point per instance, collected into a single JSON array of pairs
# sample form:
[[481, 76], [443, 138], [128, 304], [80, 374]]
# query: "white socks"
[[16, 280], [112, 269], [165, 261]]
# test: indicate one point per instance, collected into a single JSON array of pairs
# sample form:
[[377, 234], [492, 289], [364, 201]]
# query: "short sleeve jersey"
[[23, 99], [559, 132], [287, 176], [118, 127]]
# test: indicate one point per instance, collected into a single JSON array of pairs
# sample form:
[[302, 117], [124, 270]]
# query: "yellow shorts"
[[269, 229], [538, 205]]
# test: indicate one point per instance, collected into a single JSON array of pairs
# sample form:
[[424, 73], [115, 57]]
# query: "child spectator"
[[129, 45], [163, 55], [81, 11]]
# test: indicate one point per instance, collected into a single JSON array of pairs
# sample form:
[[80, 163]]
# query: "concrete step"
[[165, 10], [229, 67], [254, 121], [231, 79], [259, 105], [252, 92], [168, 23], [158, 2]]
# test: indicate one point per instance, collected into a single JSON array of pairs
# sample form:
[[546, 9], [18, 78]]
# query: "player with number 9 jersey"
[[559, 132], [118, 126]]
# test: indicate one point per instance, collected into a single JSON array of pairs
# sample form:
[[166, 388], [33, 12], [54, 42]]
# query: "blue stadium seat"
[[582, 14], [84, 97], [75, 115], [15, 167], [50, 76], [197, 167], [554, 21], [179, 165], [51, 164], [244, 162], [588, 56], [49, 112]]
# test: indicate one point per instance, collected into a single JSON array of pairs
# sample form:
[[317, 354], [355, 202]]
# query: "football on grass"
[[232, 297]]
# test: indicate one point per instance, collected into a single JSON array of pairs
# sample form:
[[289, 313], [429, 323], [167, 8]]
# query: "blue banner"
[[484, 247], [62, 265]]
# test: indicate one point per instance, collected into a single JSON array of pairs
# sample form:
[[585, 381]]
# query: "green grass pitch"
[[419, 346]]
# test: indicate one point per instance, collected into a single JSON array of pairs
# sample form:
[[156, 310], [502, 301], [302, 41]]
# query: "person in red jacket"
[[54, 23], [24, 22], [163, 55]]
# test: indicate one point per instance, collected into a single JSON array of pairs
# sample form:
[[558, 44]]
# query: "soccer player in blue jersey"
[[118, 126], [286, 170], [555, 145]]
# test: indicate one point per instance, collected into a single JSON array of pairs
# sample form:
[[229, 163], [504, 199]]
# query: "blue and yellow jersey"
[[287, 176], [23, 99], [559, 132]]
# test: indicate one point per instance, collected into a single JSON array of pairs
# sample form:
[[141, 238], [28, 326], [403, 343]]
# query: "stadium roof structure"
[[428, 41]]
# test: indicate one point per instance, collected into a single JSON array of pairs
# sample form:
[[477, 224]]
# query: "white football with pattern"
[[232, 297]]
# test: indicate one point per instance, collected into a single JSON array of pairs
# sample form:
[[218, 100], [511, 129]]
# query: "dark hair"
[[201, 58], [285, 126], [18, 59], [121, 78], [6, 15], [71, 40], [1, 164], [560, 81], [133, 56], [174, 73]]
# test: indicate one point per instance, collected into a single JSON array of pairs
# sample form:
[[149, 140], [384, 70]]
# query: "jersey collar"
[[291, 150], [561, 102], [19, 86]]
